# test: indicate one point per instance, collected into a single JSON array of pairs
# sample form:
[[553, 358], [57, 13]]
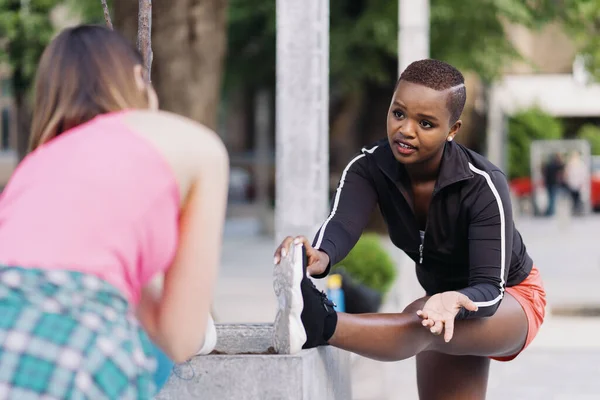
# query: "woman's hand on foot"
[[439, 312], [317, 260]]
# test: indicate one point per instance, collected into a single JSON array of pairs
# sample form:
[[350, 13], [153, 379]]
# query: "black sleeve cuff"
[[483, 295], [327, 270]]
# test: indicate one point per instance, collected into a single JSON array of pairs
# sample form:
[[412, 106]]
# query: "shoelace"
[[324, 299], [327, 302]]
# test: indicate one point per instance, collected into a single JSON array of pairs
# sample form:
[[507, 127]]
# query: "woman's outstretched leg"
[[392, 337], [307, 316]]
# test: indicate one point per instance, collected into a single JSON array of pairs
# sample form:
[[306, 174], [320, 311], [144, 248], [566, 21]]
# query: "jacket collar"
[[454, 167]]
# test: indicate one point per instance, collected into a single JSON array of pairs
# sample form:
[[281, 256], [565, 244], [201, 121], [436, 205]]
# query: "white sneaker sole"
[[210, 338], [289, 335]]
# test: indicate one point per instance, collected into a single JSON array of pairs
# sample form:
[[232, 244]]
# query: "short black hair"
[[439, 75]]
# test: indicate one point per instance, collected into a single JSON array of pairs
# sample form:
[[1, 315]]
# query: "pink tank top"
[[98, 199]]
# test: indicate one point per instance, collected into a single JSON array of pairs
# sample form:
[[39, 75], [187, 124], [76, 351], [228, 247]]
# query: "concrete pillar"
[[413, 32], [302, 120], [496, 129], [262, 161]]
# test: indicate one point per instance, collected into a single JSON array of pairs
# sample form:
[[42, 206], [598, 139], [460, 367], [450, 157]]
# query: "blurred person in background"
[[113, 196], [553, 180], [576, 177]]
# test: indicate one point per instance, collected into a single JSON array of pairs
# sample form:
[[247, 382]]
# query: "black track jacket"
[[470, 242]]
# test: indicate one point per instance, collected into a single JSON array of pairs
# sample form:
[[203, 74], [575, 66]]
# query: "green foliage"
[[363, 38], [523, 128], [362, 42], [582, 20], [370, 264], [25, 32], [90, 10], [591, 133], [469, 34], [251, 43]]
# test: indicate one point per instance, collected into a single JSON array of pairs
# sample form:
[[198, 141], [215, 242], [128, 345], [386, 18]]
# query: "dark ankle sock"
[[329, 326]]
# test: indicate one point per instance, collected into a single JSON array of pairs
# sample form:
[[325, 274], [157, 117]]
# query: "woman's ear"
[[138, 75], [143, 86], [454, 130]]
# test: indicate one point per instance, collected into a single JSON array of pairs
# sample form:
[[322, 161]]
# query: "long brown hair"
[[85, 71]]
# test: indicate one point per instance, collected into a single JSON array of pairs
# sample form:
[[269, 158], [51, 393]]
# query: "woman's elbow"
[[482, 312], [180, 351], [492, 309], [487, 311], [179, 342]]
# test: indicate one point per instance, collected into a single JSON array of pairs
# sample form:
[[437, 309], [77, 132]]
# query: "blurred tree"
[[467, 33], [591, 133], [189, 37], [25, 30], [582, 20], [187, 75], [523, 128], [189, 45], [91, 11]]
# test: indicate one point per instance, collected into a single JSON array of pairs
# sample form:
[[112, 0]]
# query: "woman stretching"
[[449, 210], [113, 194]]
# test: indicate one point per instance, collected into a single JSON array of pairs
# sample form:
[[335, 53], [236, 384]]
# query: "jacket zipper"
[[435, 191], [422, 245]]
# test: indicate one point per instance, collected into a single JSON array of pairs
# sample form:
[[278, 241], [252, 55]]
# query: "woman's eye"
[[426, 124], [398, 114]]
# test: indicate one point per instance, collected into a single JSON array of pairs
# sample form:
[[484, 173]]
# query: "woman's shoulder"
[[178, 129], [480, 162], [176, 134], [488, 179], [191, 149], [373, 154]]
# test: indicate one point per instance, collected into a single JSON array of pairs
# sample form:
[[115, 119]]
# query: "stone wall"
[[243, 367]]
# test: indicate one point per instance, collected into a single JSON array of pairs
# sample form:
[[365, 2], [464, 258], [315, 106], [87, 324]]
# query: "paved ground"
[[562, 363]]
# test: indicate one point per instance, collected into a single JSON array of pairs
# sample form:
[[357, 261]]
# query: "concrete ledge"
[[244, 338], [241, 368]]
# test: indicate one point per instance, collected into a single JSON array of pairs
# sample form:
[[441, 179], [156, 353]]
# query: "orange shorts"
[[531, 295]]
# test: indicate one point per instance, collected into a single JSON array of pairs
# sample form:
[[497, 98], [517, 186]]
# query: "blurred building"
[[551, 77], [547, 51]]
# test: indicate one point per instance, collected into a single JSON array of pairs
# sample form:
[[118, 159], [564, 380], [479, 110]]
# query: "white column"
[[302, 120], [262, 161], [413, 32], [496, 128], [413, 45]]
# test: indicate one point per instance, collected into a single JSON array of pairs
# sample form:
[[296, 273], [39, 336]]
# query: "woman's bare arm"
[[176, 318]]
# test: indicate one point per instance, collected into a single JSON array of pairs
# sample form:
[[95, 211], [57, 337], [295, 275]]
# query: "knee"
[[415, 306]]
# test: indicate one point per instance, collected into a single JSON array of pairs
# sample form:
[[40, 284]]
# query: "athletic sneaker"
[[305, 316], [210, 338]]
